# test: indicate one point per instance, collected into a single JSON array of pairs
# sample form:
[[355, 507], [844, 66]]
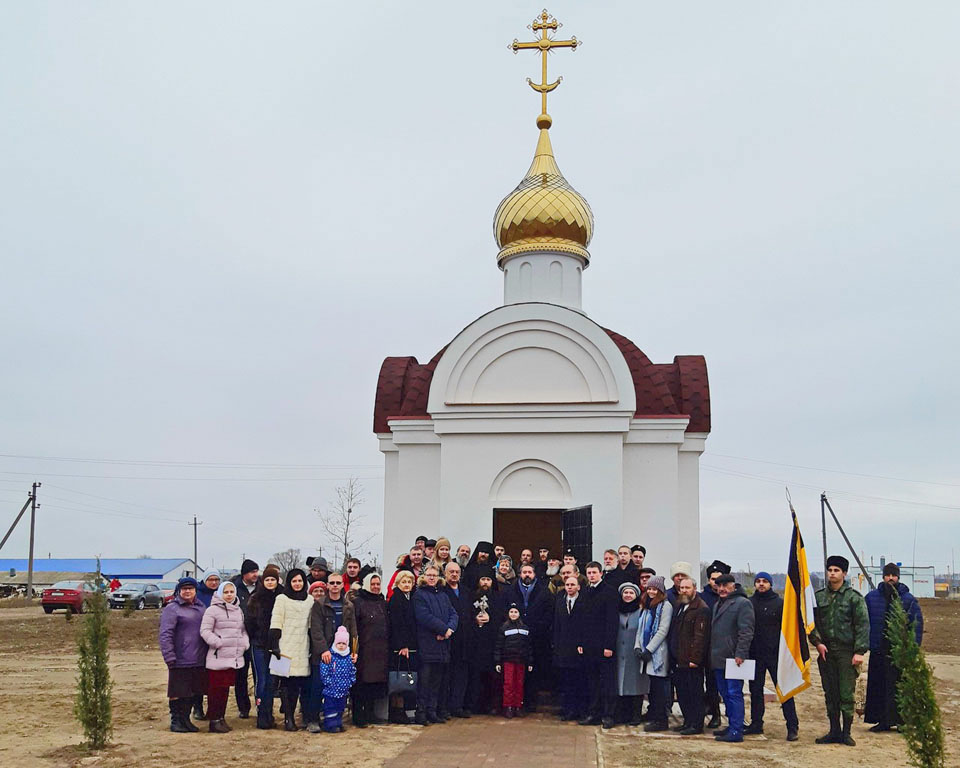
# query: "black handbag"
[[401, 680]]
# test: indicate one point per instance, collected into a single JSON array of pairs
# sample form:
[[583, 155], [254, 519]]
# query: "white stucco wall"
[[532, 406]]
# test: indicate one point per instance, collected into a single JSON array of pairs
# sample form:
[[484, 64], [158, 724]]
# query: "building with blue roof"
[[132, 569]]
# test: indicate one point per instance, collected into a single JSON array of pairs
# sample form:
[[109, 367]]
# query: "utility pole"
[[195, 524], [33, 522], [17, 520], [823, 531], [863, 570]]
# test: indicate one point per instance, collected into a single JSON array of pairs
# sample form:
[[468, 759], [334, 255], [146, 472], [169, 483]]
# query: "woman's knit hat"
[[270, 570], [341, 636], [317, 585], [631, 585], [656, 582]]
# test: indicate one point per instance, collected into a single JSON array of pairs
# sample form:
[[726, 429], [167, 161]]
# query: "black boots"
[[264, 719], [180, 716], [359, 713], [176, 718], [198, 713], [289, 710], [793, 733], [834, 736], [219, 726], [636, 718], [845, 737], [755, 728], [399, 716], [713, 709]]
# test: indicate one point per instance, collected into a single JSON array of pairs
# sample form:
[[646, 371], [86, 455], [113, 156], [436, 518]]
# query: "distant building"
[[127, 569], [920, 579]]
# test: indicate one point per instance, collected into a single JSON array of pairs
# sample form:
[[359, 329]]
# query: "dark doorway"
[[557, 529], [578, 533], [517, 529]]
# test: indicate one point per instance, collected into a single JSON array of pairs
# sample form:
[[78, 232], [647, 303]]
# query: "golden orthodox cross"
[[543, 24]]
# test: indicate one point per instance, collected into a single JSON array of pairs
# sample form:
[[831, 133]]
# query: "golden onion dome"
[[544, 212]]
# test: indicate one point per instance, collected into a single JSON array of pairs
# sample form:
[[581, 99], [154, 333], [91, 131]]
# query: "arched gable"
[[532, 354]]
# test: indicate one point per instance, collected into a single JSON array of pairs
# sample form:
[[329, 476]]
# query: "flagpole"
[[793, 656]]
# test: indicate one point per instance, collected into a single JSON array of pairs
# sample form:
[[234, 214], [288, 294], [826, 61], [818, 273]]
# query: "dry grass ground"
[[37, 672]]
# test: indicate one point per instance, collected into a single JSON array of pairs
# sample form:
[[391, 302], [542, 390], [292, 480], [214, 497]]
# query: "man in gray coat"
[[730, 636]]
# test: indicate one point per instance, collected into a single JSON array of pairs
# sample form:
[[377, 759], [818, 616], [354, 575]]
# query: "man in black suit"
[[598, 647], [569, 629], [462, 602]]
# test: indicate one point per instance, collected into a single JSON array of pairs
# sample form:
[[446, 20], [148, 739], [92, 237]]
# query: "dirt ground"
[[38, 669]]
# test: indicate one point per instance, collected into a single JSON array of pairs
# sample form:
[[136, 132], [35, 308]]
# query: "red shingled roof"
[[668, 389]]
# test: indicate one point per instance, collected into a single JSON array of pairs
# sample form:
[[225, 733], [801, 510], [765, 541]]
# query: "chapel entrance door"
[[518, 529], [578, 533]]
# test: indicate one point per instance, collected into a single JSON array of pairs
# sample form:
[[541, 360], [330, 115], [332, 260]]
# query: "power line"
[[204, 479], [200, 464], [111, 513], [106, 498], [127, 513], [849, 495], [836, 471]]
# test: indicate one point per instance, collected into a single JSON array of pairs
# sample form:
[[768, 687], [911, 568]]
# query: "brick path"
[[539, 739]]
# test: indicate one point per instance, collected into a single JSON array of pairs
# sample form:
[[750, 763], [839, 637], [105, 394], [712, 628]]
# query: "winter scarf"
[[651, 623], [292, 593], [633, 605]]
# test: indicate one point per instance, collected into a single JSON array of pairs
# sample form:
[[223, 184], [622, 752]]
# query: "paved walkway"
[[536, 740]]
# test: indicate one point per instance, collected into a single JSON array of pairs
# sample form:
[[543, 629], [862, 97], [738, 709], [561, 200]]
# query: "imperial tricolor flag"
[[793, 664]]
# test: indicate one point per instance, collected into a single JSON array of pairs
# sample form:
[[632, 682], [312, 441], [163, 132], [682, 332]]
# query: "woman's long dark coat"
[[366, 619], [403, 628]]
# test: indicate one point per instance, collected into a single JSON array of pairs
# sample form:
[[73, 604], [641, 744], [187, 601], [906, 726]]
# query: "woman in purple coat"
[[184, 653]]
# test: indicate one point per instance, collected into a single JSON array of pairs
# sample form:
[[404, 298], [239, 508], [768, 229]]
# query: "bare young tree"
[[341, 521], [287, 560]]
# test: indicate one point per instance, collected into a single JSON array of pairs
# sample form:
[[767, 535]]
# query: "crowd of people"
[[457, 634]]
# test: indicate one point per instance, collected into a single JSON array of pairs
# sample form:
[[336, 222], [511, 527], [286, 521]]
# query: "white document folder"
[[746, 671], [280, 667]]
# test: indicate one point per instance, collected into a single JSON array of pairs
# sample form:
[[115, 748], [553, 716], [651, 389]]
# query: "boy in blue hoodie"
[[338, 676]]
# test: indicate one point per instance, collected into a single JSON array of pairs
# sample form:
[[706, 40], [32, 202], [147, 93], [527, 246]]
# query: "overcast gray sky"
[[217, 219]]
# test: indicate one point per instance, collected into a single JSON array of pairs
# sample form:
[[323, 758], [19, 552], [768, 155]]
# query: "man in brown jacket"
[[689, 645]]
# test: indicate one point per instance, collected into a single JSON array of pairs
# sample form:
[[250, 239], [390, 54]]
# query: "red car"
[[66, 594], [167, 587]]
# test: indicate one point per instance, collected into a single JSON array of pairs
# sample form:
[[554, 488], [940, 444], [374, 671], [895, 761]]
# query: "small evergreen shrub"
[[922, 727], [92, 706]]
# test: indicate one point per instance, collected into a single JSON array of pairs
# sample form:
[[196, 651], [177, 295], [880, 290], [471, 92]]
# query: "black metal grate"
[[578, 533]]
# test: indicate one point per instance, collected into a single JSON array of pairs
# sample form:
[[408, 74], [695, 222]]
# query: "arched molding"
[[530, 481]]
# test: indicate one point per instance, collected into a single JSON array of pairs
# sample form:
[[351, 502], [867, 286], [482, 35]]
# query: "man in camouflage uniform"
[[842, 637]]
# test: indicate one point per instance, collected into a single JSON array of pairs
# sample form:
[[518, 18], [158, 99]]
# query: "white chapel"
[[535, 425]]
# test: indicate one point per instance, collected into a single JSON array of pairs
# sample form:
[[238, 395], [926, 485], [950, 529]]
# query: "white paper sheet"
[[280, 667], [745, 671]]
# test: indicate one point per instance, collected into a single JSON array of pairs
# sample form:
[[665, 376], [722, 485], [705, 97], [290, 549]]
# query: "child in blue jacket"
[[338, 676]]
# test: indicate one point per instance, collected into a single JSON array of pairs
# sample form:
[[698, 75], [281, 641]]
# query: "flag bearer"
[[842, 637]]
